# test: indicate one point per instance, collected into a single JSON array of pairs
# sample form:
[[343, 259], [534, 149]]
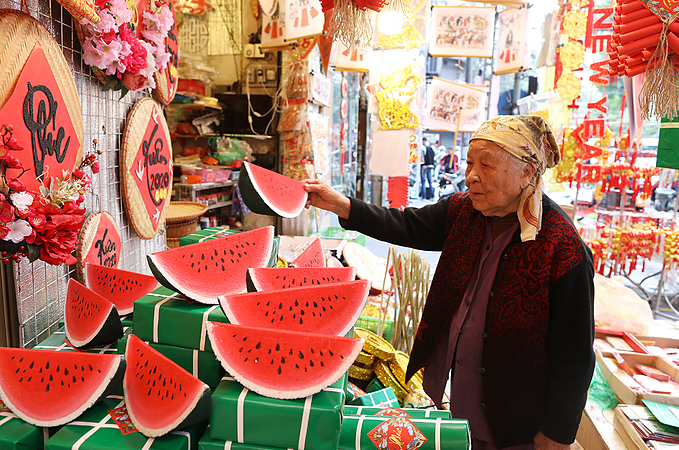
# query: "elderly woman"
[[510, 309]]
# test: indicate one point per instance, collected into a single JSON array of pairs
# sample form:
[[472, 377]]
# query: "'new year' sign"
[[146, 167]]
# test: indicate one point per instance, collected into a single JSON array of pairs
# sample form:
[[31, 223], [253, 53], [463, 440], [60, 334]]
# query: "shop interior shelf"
[[203, 186], [219, 205]]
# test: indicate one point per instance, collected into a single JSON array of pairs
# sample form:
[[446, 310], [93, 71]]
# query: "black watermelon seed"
[[282, 360], [279, 370], [322, 364], [301, 355], [259, 344], [311, 363], [278, 347]]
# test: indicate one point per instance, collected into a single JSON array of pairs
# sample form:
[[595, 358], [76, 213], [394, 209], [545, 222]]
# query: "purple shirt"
[[465, 341]]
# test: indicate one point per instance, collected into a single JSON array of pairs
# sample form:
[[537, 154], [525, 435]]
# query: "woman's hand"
[[321, 195], [542, 442]]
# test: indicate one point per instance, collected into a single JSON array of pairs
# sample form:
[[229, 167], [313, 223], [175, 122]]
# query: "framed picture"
[[454, 107], [462, 31], [512, 46]]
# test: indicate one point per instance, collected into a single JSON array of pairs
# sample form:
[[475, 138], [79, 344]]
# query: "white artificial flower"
[[18, 230], [21, 200]]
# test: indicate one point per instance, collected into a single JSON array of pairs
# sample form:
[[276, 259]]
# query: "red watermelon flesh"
[[312, 256], [120, 287], [282, 364], [271, 279], [89, 318], [270, 193], [208, 269], [47, 388], [160, 395], [326, 309]]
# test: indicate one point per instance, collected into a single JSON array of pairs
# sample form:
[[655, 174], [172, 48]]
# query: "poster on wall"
[[462, 31], [319, 125], [321, 89], [39, 99], [146, 167], [350, 60], [512, 46], [98, 243], [390, 153], [273, 30], [450, 104], [303, 18]]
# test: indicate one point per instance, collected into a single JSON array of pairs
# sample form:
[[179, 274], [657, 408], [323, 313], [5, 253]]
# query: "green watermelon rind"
[[254, 200], [123, 310], [169, 282], [255, 276], [305, 390], [109, 330], [113, 380], [198, 410]]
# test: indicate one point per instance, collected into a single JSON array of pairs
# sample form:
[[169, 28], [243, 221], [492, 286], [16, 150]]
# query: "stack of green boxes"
[[242, 419]]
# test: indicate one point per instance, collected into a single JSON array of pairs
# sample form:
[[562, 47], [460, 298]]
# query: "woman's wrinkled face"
[[495, 184]]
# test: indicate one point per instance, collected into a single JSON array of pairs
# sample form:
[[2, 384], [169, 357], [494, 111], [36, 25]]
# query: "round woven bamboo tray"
[[182, 218]]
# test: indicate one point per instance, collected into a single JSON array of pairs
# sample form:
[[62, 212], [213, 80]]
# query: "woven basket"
[[182, 218]]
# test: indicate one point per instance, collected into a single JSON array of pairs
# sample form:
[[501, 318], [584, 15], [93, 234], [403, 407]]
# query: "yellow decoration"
[[544, 113], [572, 55], [409, 37], [575, 24], [569, 86], [565, 170], [393, 102], [605, 141]]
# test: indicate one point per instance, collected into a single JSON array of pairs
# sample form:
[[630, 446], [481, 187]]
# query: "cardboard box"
[[620, 381], [596, 431], [626, 431]]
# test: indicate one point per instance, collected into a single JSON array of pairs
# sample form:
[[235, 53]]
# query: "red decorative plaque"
[[98, 242], [42, 123], [146, 167], [166, 79], [397, 433]]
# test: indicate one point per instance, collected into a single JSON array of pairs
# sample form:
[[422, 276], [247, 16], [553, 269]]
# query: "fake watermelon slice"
[[159, 394], [120, 287], [89, 318], [327, 309], [266, 279], [208, 269], [312, 256], [270, 193], [282, 364], [48, 389]]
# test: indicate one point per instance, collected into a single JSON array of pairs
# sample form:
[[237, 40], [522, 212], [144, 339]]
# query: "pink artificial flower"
[[6, 213], [21, 200], [107, 22], [95, 167], [92, 55]]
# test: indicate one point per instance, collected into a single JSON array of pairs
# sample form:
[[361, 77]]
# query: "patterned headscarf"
[[530, 139]]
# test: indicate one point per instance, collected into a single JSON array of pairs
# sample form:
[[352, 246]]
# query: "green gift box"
[[374, 386], [207, 234], [95, 430], [244, 417], [451, 434], [207, 443], [166, 317], [202, 365], [354, 410], [383, 398], [15, 434], [57, 342], [668, 144]]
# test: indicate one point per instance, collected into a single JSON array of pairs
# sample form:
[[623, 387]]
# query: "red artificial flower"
[[109, 36], [127, 35], [15, 184], [134, 81], [14, 144], [95, 167], [13, 162], [7, 213], [4, 231], [136, 60], [58, 233]]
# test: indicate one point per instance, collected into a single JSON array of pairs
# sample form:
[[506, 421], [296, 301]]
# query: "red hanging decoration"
[[397, 195]]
